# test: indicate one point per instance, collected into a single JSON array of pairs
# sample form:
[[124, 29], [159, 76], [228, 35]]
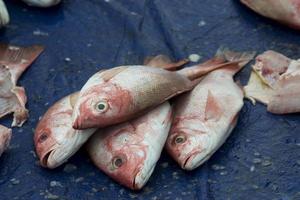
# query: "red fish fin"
[[17, 59], [106, 75], [73, 98], [164, 62], [212, 109]]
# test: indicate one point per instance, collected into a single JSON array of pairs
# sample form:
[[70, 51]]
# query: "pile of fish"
[[125, 116], [13, 62], [4, 16]]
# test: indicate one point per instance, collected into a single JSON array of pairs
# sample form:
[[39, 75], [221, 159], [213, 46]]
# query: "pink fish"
[[55, 139], [13, 62], [275, 81], [122, 93], [205, 116], [128, 152], [284, 11], [5, 136]]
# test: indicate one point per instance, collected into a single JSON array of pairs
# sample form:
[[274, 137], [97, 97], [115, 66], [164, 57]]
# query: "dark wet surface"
[[260, 160]]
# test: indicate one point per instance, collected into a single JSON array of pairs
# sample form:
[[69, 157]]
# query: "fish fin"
[[226, 60], [73, 98], [106, 75], [164, 62], [213, 109], [17, 59]]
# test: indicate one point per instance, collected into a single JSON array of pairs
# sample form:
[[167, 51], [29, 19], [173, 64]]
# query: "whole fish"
[[275, 82], [4, 16], [284, 11], [205, 116], [13, 62], [122, 93], [5, 136], [128, 152], [55, 139]]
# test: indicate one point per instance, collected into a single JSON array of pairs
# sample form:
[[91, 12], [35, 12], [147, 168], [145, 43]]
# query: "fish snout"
[[190, 161], [44, 144]]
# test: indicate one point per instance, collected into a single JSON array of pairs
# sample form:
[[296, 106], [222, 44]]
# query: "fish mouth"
[[141, 178], [48, 160], [195, 159]]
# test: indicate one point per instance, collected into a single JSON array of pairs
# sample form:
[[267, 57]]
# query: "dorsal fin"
[[213, 110], [110, 73]]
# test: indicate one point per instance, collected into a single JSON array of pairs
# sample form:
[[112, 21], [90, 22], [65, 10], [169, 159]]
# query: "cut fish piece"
[[13, 62]]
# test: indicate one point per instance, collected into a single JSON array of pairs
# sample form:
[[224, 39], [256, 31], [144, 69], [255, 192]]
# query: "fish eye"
[[102, 106], [117, 162], [179, 139], [43, 137]]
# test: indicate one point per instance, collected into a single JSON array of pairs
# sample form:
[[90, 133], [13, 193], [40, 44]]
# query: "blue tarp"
[[260, 160]]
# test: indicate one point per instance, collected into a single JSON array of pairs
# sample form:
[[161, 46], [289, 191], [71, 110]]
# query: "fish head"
[[55, 139], [101, 105], [123, 156], [188, 142]]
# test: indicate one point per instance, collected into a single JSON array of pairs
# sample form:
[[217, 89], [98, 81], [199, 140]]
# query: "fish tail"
[[224, 58], [17, 59]]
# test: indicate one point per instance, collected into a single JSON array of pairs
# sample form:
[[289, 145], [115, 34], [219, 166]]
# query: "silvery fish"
[[54, 138], [284, 11], [205, 116], [42, 3], [275, 82], [128, 152], [13, 62], [5, 136], [122, 93]]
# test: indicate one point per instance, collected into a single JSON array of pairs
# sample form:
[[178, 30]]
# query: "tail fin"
[[224, 59], [164, 62], [17, 59]]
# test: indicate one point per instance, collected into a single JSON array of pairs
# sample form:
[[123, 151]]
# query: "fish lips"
[[141, 178], [194, 159]]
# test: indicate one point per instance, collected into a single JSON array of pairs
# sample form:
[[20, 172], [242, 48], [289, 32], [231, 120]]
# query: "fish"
[[42, 3], [54, 138], [275, 82], [128, 152], [205, 116], [13, 62], [5, 137], [4, 16], [122, 93], [284, 11]]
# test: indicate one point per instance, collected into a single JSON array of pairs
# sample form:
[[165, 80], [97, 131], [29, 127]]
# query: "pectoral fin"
[[213, 110]]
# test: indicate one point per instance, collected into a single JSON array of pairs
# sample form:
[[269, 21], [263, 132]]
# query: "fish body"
[[285, 11], [275, 82], [5, 136], [121, 93], [54, 138], [205, 117], [13, 62], [128, 152]]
